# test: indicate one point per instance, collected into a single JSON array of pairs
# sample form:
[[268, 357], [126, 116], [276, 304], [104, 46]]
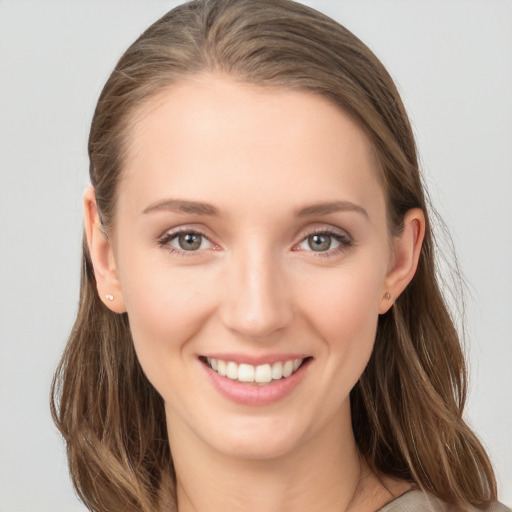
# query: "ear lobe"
[[102, 256], [407, 249]]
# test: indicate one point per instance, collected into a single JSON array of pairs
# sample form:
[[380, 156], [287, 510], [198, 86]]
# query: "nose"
[[256, 304]]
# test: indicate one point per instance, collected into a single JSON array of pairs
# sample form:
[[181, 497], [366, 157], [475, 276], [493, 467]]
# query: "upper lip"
[[255, 360]]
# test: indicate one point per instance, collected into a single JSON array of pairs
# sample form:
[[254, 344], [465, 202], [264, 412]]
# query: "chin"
[[261, 448], [253, 438]]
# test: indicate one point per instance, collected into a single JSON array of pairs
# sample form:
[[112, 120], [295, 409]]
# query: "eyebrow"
[[199, 208], [182, 206], [331, 207]]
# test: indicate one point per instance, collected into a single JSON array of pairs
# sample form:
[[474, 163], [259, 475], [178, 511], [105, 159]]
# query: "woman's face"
[[251, 239]]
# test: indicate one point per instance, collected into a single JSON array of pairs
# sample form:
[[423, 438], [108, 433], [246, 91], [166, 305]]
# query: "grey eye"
[[319, 242], [188, 241]]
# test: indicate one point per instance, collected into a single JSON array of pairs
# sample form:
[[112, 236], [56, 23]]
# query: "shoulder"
[[418, 501]]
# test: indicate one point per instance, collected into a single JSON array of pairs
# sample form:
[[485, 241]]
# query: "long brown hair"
[[407, 406]]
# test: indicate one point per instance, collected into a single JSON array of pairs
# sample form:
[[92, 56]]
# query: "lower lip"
[[254, 394]]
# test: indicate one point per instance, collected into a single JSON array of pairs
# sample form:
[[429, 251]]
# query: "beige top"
[[417, 501]]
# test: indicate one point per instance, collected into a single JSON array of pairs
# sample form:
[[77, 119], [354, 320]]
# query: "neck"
[[324, 473]]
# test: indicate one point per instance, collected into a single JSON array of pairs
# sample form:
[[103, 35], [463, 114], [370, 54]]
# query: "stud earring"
[[387, 296], [109, 296]]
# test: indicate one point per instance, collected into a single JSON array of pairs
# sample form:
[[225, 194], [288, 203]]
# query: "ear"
[[406, 253], [102, 256]]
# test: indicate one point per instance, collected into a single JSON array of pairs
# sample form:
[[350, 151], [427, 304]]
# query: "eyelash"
[[167, 238], [345, 242]]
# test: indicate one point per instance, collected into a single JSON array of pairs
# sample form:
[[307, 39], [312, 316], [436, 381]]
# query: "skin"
[[254, 287]]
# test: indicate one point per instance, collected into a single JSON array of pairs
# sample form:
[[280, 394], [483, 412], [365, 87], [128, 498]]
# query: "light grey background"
[[452, 60]]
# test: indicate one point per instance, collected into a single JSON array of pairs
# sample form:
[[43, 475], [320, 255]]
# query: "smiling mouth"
[[249, 374]]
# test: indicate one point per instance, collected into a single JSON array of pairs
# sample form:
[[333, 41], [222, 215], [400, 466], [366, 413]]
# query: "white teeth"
[[232, 370], [277, 370], [221, 367], [245, 372], [287, 368], [261, 374]]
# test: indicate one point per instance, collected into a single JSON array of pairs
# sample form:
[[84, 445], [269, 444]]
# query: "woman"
[[260, 324]]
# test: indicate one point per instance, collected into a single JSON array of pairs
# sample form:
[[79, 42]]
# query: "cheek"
[[166, 307], [344, 313], [345, 296]]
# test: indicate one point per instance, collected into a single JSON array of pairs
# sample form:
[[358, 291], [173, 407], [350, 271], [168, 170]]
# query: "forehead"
[[213, 136]]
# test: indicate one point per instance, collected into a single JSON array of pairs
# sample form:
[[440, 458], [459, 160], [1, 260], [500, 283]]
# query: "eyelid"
[[342, 236], [169, 235], [327, 230]]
